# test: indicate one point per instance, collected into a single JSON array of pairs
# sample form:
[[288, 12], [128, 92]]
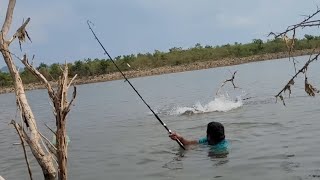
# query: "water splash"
[[222, 103]]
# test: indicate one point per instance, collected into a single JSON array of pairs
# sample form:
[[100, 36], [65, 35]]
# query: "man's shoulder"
[[203, 140]]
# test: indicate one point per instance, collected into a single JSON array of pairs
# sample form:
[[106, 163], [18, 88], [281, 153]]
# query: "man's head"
[[215, 133]]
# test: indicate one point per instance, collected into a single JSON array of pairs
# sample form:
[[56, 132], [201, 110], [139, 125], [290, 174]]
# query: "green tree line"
[[175, 56]]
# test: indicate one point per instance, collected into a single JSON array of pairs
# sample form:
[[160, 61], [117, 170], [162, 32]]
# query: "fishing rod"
[[126, 79]]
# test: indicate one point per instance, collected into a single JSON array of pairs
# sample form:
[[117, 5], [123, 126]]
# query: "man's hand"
[[175, 136]]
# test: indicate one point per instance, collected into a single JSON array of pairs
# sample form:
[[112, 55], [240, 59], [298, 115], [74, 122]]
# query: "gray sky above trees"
[[59, 31]]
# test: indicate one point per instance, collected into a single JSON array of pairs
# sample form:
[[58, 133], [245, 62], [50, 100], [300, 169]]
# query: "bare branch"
[[74, 94], [290, 42], [50, 129], [16, 56], [305, 23], [52, 150], [62, 107], [19, 131], [308, 22], [74, 77], [309, 89], [48, 141], [39, 76], [21, 33], [35, 72], [33, 137], [7, 23]]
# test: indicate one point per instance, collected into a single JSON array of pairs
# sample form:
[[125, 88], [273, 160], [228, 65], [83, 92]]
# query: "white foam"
[[219, 104]]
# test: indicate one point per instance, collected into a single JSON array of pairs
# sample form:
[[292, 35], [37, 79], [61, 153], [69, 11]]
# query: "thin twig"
[[74, 94], [49, 146], [50, 129], [74, 77], [17, 127], [307, 22], [8, 20], [303, 23], [35, 72], [291, 81], [39, 76]]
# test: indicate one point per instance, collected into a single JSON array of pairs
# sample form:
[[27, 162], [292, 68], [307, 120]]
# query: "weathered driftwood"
[[27, 130]]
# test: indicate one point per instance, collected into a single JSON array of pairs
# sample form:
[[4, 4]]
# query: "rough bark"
[[43, 158], [61, 109]]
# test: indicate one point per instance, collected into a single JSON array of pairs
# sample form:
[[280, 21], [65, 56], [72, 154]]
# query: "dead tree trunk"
[[31, 135], [44, 159], [61, 109]]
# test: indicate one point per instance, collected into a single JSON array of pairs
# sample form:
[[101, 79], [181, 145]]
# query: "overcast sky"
[[59, 31]]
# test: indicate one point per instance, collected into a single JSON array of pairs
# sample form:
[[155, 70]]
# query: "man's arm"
[[175, 136]]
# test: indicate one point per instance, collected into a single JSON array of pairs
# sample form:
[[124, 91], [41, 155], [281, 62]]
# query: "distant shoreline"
[[171, 69]]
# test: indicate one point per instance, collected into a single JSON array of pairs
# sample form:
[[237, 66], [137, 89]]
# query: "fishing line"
[[105, 51]]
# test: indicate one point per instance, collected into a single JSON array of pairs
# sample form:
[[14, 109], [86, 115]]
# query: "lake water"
[[114, 135]]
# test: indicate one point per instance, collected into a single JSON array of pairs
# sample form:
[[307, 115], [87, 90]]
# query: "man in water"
[[215, 138]]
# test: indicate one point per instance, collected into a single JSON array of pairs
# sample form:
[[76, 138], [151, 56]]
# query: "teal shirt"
[[220, 147]]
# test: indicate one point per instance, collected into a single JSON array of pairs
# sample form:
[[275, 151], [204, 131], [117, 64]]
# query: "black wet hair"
[[215, 133]]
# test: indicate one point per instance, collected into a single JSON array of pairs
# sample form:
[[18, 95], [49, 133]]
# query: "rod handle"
[[180, 144], [177, 140]]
